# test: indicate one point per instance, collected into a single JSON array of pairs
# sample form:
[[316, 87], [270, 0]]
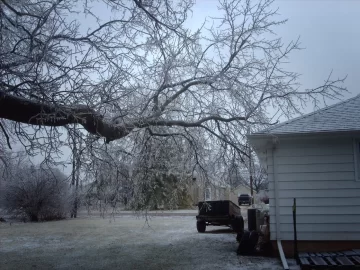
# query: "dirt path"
[[126, 243]]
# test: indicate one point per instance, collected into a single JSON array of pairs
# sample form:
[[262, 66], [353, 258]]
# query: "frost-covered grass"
[[126, 243]]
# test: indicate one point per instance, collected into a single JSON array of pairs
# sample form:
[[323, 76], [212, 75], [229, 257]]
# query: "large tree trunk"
[[33, 112]]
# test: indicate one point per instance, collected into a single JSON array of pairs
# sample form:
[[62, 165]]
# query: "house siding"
[[320, 174]]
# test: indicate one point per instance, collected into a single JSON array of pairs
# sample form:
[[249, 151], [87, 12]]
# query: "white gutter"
[[282, 255], [277, 211]]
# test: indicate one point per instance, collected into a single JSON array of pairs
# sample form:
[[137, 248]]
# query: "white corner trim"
[[276, 191], [356, 159]]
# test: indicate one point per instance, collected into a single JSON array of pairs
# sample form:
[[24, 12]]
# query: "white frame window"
[[208, 194], [217, 192], [356, 146]]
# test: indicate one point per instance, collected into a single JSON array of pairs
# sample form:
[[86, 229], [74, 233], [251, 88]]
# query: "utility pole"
[[251, 172], [250, 169]]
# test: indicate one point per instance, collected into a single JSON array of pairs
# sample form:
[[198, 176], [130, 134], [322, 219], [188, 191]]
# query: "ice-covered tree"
[[120, 68], [36, 193]]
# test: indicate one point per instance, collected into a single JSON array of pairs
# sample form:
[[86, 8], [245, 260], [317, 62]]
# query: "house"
[[236, 192], [314, 158], [200, 191], [213, 192]]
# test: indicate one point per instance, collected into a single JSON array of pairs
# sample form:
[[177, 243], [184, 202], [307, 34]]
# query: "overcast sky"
[[329, 32]]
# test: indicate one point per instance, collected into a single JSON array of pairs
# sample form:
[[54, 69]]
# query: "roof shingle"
[[343, 116]]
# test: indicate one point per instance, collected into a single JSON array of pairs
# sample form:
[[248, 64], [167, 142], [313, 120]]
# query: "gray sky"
[[329, 31], [330, 34]]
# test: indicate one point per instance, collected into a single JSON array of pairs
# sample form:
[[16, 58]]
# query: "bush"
[[38, 195], [261, 197], [265, 199]]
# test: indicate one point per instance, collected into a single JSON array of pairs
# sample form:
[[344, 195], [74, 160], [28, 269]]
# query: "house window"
[[207, 194], [357, 159]]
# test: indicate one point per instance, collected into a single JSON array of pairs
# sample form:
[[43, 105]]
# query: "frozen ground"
[[128, 242], [184, 212]]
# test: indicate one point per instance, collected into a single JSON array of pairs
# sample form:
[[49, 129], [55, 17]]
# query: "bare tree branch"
[[139, 74], [6, 135]]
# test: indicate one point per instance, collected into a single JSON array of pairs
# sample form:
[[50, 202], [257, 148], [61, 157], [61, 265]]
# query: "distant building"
[[212, 192], [236, 192], [207, 191]]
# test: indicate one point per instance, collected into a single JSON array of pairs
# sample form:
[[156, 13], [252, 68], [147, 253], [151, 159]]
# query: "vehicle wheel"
[[201, 226], [239, 203], [244, 244], [238, 224]]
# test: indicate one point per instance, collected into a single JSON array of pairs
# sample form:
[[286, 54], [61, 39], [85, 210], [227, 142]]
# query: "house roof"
[[343, 116], [241, 186]]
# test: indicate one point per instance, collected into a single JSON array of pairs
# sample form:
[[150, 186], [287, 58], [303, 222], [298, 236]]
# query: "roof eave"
[[267, 136]]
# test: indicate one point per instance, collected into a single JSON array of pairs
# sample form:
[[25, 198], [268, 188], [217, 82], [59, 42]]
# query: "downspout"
[[282, 255], [277, 211]]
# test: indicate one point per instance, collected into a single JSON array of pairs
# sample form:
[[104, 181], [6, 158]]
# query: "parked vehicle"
[[244, 199], [219, 213]]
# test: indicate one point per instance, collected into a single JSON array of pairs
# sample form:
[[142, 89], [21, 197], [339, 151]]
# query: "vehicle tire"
[[237, 224], [253, 240], [239, 235], [244, 244], [239, 203], [200, 226]]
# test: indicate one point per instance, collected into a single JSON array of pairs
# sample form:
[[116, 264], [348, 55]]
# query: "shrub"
[[265, 199], [261, 197], [38, 195]]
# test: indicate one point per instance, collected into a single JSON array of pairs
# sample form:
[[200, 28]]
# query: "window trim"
[[356, 149], [208, 198]]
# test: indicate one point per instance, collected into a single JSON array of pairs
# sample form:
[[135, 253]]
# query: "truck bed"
[[219, 213], [223, 208]]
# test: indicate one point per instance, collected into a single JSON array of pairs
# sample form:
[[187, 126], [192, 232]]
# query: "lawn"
[[126, 242]]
